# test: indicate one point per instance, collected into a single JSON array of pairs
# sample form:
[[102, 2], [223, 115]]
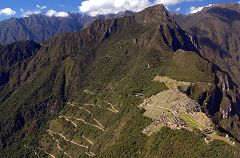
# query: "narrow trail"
[[94, 105], [79, 107], [46, 152], [75, 125], [67, 140], [65, 153], [58, 146], [89, 141], [99, 126], [82, 120], [112, 107], [58, 137], [91, 154], [98, 123], [90, 104], [32, 150], [112, 110]]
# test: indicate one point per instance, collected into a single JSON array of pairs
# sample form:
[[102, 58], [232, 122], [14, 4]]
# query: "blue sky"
[[20, 8]]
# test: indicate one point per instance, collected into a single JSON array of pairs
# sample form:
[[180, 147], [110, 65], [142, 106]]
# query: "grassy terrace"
[[188, 119], [194, 124]]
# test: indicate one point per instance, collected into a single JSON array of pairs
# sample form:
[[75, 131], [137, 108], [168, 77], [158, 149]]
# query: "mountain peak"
[[155, 8], [153, 14]]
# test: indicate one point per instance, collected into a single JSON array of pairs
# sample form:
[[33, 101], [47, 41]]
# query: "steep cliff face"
[[223, 104], [172, 35], [215, 31], [17, 52], [13, 61], [220, 101]]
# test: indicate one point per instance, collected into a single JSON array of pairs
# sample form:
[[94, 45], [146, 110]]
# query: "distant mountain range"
[[40, 27], [78, 94]]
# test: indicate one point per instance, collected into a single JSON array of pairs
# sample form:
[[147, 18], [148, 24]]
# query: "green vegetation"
[[188, 66], [221, 138], [115, 68], [191, 121], [183, 143]]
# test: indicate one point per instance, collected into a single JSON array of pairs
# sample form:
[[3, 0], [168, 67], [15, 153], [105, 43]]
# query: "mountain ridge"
[[40, 27]]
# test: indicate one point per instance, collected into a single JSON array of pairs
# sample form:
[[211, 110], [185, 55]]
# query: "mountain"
[[39, 27], [89, 93], [111, 16], [216, 37], [15, 56]]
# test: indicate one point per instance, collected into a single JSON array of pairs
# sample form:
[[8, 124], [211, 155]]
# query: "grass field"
[[152, 128], [171, 83], [194, 124], [155, 111], [188, 119]]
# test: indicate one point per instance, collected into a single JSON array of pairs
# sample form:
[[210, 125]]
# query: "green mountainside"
[[217, 40], [217, 34], [78, 94]]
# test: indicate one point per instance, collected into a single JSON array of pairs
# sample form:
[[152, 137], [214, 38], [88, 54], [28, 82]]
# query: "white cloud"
[[193, 9], [41, 7], [38, 10], [178, 9], [7, 12], [27, 13], [56, 14], [96, 7], [238, 2]]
